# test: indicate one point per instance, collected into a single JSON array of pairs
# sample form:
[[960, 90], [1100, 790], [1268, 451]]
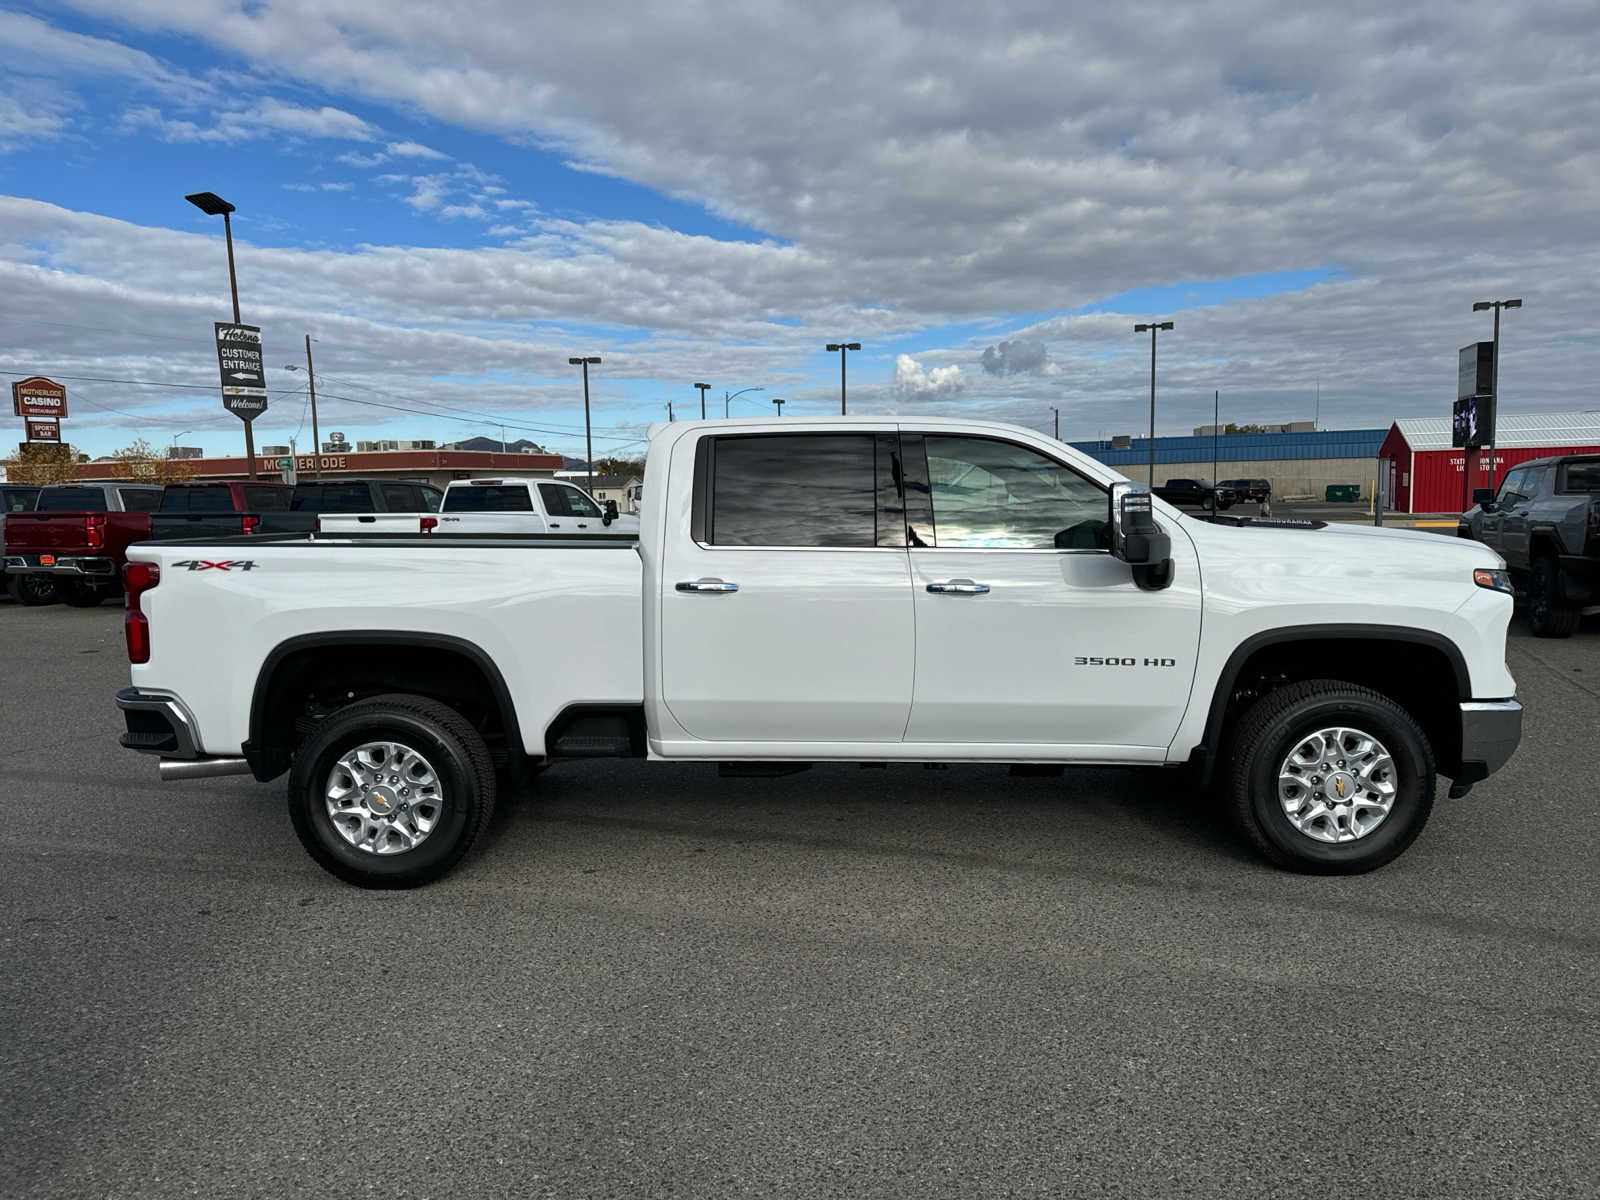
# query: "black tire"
[[1271, 728], [33, 591], [1225, 504], [441, 735], [82, 595], [1549, 613]]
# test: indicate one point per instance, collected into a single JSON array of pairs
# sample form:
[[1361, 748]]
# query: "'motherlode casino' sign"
[[38, 397]]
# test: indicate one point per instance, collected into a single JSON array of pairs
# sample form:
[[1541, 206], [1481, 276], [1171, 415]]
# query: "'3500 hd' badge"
[[204, 564]]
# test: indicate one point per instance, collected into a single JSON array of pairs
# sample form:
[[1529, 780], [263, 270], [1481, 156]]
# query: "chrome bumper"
[[1490, 732], [100, 568]]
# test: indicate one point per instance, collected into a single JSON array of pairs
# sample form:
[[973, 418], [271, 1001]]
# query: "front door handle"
[[706, 585], [958, 587]]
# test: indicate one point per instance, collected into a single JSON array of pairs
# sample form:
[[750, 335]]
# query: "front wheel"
[[391, 792], [32, 591], [1330, 778]]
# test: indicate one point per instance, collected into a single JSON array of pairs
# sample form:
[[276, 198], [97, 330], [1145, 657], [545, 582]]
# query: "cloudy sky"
[[454, 198]]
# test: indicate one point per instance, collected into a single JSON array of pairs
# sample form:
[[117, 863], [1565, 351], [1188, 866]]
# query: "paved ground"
[[846, 983]]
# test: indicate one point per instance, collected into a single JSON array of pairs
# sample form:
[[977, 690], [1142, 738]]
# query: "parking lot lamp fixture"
[[588, 433], [841, 347], [704, 387], [1494, 369], [729, 397], [214, 205], [1153, 326], [779, 402]]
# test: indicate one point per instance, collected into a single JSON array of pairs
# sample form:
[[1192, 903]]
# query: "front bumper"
[[1490, 732], [93, 566], [157, 725]]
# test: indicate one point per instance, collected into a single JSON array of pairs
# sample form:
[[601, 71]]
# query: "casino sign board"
[[38, 397]]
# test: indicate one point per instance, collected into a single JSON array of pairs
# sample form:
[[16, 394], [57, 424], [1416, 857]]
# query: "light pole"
[[1494, 371], [728, 398], [704, 387], [311, 385], [588, 438], [841, 347], [670, 417], [1057, 412], [214, 205], [175, 437], [779, 401], [1152, 327]]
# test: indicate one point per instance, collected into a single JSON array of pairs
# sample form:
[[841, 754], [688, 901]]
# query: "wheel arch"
[[1408, 665], [299, 672]]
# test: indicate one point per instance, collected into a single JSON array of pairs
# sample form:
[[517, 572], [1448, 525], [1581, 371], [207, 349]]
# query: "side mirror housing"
[[1483, 498], [1137, 539], [611, 512]]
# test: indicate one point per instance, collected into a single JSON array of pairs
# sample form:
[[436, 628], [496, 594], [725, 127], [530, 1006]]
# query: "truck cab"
[[527, 505]]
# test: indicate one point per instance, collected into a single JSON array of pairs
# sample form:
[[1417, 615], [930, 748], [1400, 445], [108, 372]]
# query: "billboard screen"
[[1472, 422]]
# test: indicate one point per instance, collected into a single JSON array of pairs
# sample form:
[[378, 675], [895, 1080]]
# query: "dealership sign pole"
[[244, 380]]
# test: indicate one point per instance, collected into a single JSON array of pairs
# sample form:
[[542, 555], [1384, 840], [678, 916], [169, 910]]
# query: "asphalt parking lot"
[[651, 982]]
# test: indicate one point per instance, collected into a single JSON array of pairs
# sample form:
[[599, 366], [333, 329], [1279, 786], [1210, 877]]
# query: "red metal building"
[[1425, 473]]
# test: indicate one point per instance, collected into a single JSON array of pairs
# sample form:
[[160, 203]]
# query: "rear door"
[[1028, 631], [507, 507], [786, 616]]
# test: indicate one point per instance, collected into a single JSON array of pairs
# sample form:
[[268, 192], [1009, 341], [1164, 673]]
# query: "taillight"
[[94, 528], [250, 522], [317, 524], [429, 524], [137, 579]]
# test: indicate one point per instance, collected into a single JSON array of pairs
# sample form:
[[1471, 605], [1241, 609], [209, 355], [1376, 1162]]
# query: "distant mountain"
[[568, 463], [521, 446]]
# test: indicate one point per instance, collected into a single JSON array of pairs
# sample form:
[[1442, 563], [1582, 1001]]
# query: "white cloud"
[[19, 124], [413, 150], [265, 118], [35, 47], [911, 379]]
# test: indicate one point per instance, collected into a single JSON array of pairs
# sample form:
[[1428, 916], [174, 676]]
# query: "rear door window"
[[18, 499], [140, 499], [554, 497], [397, 497], [1581, 476], [265, 499], [812, 489]]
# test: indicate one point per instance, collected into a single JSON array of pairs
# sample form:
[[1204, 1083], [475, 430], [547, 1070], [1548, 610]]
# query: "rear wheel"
[[33, 590], [1549, 613], [82, 595], [391, 792], [1330, 778]]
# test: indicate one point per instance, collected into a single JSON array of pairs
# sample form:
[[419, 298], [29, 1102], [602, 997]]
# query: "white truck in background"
[[519, 505], [873, 590]]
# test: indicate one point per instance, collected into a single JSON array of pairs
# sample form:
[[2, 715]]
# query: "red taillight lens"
[[429, 524], [250, 522], [94, 528], [137, 579]]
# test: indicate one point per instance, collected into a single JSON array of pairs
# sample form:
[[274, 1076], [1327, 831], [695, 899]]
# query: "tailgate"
[[51, 533], [171, 526]]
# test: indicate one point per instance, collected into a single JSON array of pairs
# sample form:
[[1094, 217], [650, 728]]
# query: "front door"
[[1028, 631], [787, 616]]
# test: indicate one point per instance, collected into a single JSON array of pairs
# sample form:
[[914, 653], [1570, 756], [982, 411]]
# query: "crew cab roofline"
[[1243, 652], [256, 750]]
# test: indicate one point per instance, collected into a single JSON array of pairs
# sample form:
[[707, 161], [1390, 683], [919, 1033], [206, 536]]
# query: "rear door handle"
[[958, 587], [706, 585]]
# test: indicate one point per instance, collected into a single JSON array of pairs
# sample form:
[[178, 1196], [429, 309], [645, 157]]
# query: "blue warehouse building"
[[1297, 464]]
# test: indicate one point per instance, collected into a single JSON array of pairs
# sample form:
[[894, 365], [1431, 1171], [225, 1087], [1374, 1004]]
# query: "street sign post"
[[38, 397], [244, 380]]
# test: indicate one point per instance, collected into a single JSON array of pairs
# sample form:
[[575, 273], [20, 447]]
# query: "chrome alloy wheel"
[[384, 797], [1337, 785]]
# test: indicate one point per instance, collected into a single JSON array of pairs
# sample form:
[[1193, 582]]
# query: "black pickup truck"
[[1196, 493], [1545, 522], [314, 497]]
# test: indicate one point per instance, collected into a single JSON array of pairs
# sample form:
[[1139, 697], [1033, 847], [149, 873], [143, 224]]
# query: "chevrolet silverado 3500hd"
[[853, 589]]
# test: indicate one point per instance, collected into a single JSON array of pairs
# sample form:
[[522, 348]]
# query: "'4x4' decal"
[[202, 564]]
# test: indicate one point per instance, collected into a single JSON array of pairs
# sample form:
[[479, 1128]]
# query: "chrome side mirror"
[[1137, 539]]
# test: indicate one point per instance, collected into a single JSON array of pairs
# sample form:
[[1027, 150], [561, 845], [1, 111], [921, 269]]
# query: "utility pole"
[[841, 347], [1216, 416], [703, 387], [1152, 327], [1494, 374], [670, 417], [588, 434], [316, 438], [1057, 412]]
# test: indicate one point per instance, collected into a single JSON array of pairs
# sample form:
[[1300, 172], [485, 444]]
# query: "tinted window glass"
[[139, 500], [204, 499], [793, 490], [18, 499], [1581, 477], [554, 499], [68, 499], [333, 498], [488, 498], [1513, 486], [580, 504], [266, 499], [993, 494], [397, 497], [431, 496]]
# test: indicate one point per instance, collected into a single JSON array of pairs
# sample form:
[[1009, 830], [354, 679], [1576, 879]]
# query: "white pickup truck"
[[527, 506], [871, 590]]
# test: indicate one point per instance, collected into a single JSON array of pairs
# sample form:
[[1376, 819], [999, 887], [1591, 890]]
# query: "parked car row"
[[69, 542]]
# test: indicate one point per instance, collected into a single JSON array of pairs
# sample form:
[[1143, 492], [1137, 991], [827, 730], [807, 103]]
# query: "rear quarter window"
[[1580, 477], [141, 500]]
